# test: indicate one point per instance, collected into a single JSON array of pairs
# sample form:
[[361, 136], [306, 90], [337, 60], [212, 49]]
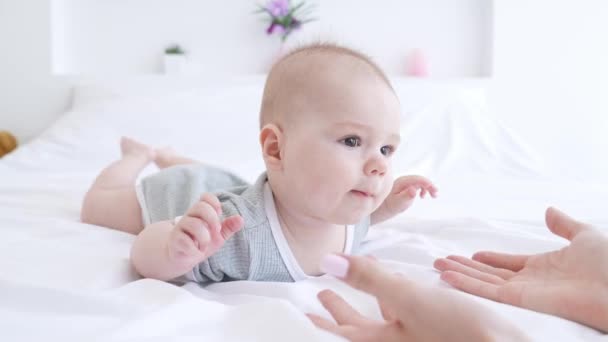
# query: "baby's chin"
[[351, 218]]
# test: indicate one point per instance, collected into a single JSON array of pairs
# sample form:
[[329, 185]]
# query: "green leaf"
[[262, 9], [174, 50], [295, 8]]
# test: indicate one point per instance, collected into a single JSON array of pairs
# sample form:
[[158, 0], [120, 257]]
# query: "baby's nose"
[[375, 167]]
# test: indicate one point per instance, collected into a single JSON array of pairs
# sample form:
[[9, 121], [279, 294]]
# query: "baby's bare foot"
[[131, 147], [164, 157]]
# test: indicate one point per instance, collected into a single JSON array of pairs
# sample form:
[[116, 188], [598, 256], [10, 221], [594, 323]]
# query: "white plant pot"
[[174, 64]]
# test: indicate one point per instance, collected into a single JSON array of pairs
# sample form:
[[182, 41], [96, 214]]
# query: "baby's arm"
[[165, 251], [402, 196]]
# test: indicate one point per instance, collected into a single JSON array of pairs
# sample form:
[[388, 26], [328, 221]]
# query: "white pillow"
[[214, 124], [91, 93], [447, 127]]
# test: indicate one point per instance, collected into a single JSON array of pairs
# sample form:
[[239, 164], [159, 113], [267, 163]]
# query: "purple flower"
[[275, 27], [282, 17], [278, 8]]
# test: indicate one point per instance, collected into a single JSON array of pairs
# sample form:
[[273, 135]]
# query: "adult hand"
[[410, 311], [571, 282]]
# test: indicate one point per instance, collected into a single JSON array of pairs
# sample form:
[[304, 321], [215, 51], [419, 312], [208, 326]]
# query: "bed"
[[64, 280]]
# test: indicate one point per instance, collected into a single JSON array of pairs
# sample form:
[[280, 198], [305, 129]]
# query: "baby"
[[329, 126]]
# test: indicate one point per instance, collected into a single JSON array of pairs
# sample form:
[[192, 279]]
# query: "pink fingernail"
[[334, 265]]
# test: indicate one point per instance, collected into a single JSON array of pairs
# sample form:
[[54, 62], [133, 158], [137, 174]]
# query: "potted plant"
[[174, 59]]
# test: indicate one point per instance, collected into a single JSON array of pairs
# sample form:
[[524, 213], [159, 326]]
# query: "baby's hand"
[[200, 233], [402, 196], [405, 189]]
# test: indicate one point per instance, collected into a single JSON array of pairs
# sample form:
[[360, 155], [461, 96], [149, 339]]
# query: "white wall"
[[551, 57], [125, 37], [453, 34], [42, 39], [29, 96]]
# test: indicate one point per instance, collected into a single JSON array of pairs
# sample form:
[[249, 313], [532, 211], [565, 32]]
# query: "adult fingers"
[[563, 225], [471, 285], [325, 324], [370, 257], [381, 331], [513, 262], [367, 275], [387, 311], [499, 272], [348, 332], [451, 265], [339, 309]]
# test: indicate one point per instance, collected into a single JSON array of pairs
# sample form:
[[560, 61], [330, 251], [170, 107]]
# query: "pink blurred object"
[[417, 64]]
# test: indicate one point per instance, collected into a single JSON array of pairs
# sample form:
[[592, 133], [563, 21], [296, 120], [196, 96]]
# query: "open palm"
[[565, 282]]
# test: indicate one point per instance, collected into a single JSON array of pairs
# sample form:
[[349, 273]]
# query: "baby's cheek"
[[386, 189]]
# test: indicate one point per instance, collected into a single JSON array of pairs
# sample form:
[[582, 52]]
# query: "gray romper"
[[259, 251]]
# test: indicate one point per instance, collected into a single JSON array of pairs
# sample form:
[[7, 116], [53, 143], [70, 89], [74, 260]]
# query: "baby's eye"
[[387, 150], [352, 141]]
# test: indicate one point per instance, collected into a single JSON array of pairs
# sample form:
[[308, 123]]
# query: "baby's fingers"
[[196, 230], [427, 187], [213, 201], [432, 190], [204, 211], [182, 247], [409, 192], [230, 226]]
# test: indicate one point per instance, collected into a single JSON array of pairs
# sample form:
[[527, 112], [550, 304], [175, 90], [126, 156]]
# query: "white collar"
[[289, 259]]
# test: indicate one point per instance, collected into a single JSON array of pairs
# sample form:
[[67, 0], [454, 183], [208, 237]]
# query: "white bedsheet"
[[67, 281]]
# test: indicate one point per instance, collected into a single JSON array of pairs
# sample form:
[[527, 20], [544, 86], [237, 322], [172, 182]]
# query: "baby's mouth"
[[361, 193]]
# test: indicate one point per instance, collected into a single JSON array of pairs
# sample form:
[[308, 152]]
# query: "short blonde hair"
[[279, 74]]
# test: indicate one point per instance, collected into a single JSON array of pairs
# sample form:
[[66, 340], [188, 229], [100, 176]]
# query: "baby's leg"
[[111, 201], [166, 157]]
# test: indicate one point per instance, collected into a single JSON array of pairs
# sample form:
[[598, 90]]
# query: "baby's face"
[[337, 156]]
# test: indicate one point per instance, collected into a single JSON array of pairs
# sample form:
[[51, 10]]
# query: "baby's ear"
[[270, 139]]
